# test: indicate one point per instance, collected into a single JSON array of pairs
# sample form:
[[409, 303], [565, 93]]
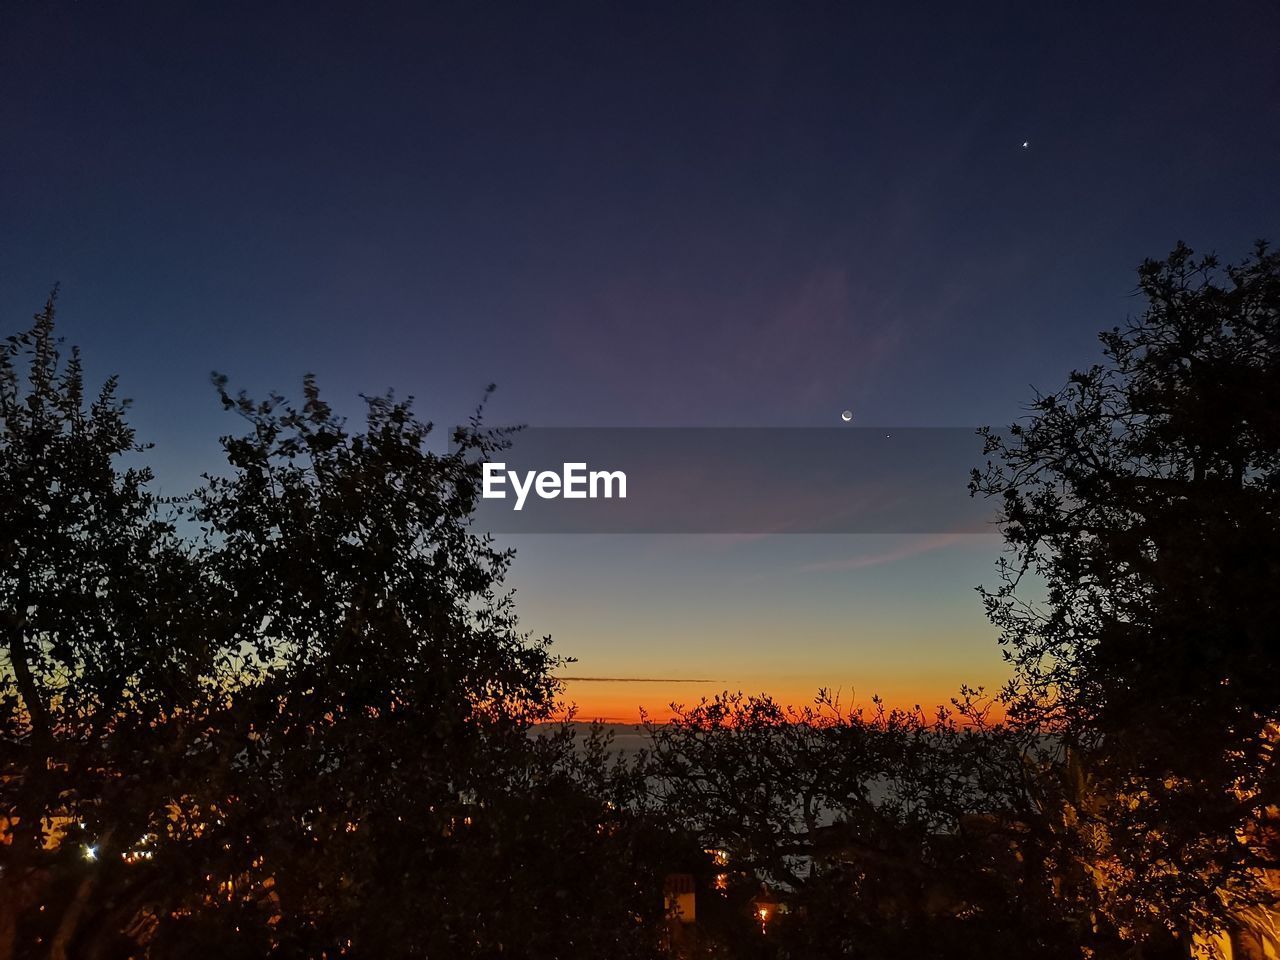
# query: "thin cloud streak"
[[643, 679], [915, 548]]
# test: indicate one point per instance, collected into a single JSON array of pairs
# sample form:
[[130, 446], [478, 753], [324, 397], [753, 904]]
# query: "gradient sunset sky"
[[666, 214]]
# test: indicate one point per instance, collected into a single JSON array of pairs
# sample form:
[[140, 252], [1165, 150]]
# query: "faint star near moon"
[[847, 416]]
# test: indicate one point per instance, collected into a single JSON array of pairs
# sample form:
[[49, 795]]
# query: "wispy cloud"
[[913, 547], [644, 679]]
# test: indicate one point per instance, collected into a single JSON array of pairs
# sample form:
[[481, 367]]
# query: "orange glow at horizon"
[[622, 702]]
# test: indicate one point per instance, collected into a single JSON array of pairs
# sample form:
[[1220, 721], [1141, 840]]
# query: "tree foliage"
[[291, 715], [1138, 604], [887, 833]]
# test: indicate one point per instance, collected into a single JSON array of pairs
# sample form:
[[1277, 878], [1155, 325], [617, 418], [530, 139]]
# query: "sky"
[[636, 214]]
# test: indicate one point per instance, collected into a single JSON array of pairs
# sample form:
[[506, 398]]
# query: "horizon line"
[[643, 679]]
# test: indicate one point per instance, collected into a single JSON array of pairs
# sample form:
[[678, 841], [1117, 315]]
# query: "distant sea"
[[628, 738]]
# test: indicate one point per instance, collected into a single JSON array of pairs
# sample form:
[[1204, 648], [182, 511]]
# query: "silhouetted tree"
[[885, 833], [96, 599], [1138, 602], [304, 727]]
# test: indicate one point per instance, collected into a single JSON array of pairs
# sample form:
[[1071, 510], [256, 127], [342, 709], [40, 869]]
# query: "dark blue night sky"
[[622, 213]]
